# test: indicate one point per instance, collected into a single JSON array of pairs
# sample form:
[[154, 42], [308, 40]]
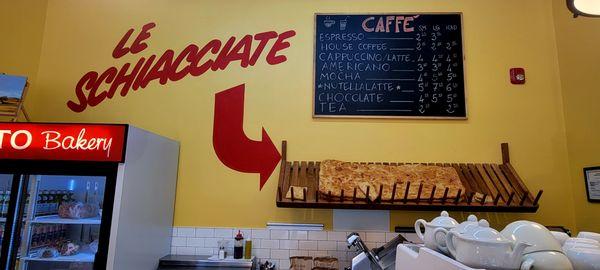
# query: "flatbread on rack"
[[296, 192], [335, 176]]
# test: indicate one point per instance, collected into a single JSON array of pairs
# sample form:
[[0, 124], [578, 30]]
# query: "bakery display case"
[[55, 219], [66, 203]]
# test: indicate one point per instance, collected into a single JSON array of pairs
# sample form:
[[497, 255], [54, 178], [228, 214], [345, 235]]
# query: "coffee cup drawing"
[[328, 22], [343, 23]]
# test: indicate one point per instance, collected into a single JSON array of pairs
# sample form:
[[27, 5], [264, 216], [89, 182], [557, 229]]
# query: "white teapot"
[[464, 227], [484, 247], [471, 222], [428, 237]]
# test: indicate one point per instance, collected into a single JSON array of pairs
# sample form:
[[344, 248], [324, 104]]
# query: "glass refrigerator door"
[[5, 191], [13, 192], [62, 222]]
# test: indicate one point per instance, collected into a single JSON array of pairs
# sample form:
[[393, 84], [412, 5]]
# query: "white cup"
[[561, 237], [582, 241], [584, 258], [589, 235], [579, 245], [546, 260]]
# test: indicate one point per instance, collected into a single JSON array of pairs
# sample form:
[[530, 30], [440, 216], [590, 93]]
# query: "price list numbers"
[[439, 69]]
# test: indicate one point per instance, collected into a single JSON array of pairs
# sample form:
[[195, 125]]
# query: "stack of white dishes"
[[583, 251], [521, 245]]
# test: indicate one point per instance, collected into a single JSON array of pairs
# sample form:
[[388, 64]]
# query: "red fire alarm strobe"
[[517, 76]]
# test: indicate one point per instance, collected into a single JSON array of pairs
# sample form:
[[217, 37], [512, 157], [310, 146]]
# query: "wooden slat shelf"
[[502, 189]]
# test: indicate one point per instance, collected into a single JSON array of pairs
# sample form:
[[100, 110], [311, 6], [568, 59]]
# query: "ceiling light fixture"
[[588, 8]]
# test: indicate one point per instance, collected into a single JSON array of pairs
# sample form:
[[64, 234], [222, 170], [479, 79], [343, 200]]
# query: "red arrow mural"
[[230, 142]]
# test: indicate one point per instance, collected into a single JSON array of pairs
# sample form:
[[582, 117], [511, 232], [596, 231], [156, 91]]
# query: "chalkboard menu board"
[[389, 65]]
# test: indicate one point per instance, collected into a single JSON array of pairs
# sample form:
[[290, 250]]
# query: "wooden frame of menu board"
[[324, 116], [488, 187]]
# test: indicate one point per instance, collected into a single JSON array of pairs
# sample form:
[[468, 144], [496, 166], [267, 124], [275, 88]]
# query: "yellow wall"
[[579, 54], [22, 28], [499, 34]]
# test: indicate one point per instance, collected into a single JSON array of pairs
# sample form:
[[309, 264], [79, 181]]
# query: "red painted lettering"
[[280, 44], [161, 69], [171, 66], [86, 82], [263, 39], [222, 61], [138, 44], [124, 79], [120, 50], [196, 70], [185, 54], [241, 51], [139, 80], [108, 76]]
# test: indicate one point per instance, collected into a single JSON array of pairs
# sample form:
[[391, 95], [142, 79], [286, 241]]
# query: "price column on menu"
[[438, 67], [389, 66]]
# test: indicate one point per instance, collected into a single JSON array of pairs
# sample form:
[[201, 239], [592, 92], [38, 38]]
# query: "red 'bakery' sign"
[[73, 142]]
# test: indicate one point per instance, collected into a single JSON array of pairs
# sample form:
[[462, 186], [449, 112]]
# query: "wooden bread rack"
[[498, 181]]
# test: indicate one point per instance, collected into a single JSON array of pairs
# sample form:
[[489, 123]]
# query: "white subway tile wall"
[[276, 245], [307, 245], [212, 242], [280, 254], [336, 236], [186, 232], [195, 242], [298, 253], [271, 244], [177, 241], [280, 234], [204, 251], [224, 233], [299, 235], [186, 250], [327, 245], [288, 244], [205, 232], [317, 235], [260, 234], [262, 253]]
